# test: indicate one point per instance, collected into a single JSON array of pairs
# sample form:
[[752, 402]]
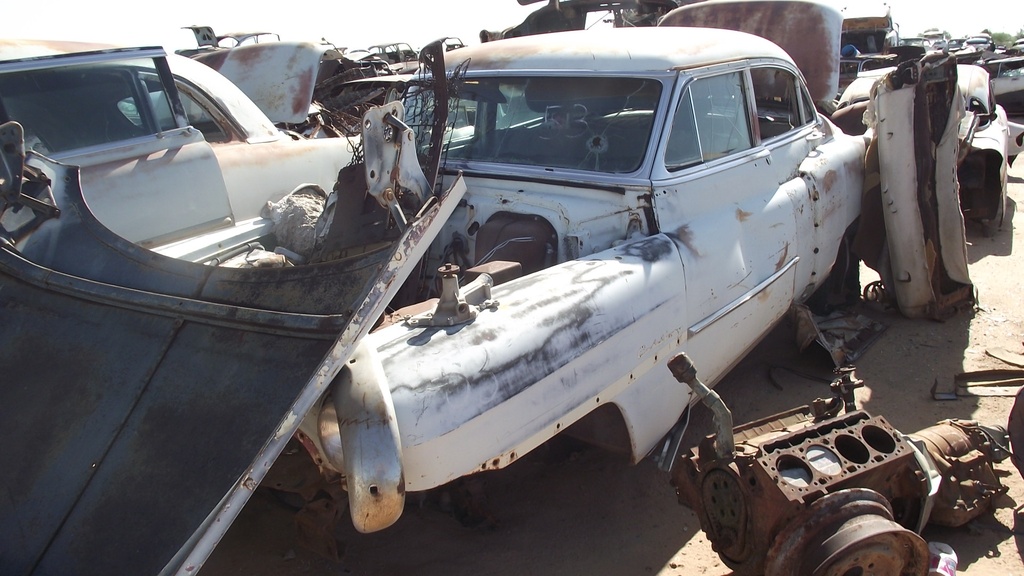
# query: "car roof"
[[247, 116], [18, 49], [647, 49]]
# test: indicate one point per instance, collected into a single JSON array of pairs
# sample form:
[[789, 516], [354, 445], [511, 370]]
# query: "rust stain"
[[685, 236], [300, 98], [783, 258], [741, 215], [831, 177]]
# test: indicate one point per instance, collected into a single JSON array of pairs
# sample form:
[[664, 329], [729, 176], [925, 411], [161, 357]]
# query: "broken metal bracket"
[[392, 168]]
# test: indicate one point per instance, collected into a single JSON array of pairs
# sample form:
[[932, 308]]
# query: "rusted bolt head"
[[449, 270]]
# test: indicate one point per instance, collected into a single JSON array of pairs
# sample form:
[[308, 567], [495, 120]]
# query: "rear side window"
[[777, 99], [72, 107], [711, 121]]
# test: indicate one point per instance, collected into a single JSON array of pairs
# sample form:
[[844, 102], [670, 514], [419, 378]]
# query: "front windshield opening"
[[583, 123]]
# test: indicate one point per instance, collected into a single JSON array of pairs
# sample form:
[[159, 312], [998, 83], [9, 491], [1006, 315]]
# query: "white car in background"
[[169, 149]]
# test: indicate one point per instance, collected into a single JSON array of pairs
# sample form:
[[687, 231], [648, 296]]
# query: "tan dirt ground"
[[566, 510]]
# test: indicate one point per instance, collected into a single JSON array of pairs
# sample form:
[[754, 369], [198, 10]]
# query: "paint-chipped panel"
[[279, 76], [808, 30]]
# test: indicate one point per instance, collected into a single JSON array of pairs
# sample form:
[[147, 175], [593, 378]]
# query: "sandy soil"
[[564, 509]]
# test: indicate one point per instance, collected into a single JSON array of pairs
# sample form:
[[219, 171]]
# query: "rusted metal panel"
[[618, 49], [807, 30], [278, 76]]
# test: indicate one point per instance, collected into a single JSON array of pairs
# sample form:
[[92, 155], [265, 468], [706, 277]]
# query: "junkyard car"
[[169, 148], [620, 196], [1008, 83], [633, 193]]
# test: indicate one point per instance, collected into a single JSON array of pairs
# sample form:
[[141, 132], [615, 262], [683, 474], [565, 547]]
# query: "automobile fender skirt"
[[475, 396], [369, 441]]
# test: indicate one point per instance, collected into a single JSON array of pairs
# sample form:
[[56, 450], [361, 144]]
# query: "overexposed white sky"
[[357, 24]]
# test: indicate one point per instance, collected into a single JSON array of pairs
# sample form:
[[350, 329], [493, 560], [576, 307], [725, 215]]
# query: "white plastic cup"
[[942, 560]]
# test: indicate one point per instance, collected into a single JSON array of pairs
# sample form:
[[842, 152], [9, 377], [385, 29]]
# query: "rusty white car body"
[[173, 155], [631, 193]]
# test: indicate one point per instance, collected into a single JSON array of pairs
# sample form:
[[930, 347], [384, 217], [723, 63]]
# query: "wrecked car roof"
[[619, 49]]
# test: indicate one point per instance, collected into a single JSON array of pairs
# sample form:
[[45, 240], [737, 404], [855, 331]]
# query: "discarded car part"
[[346, 99], [964, 452], [457, 306], [370, 442], [784, 464], [923, 259], [684, 371], [850, 531], [829, 489], [432, 61], [808, 30], [984, 132], [996, 382], [278, 76], [753, 504], [393, 172], [131, 431], [844, 335]]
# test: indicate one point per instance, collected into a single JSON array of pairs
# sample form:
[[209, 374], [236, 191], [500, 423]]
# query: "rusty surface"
[[829, 489], [851, 531], [964, 454], [808, 31], [782, 469]]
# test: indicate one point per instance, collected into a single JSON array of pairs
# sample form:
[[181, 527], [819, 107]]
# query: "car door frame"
[[740, 248]]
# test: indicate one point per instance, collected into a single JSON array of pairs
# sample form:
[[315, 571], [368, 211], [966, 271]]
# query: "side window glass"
[[683, 148], [201, 119], [777, 98], [720, 111], [77, 106]]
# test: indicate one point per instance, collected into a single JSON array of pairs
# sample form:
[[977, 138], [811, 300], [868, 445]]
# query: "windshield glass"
[[585, 123]]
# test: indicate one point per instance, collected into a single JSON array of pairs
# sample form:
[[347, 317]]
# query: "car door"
[[730, 191], [146, 174]]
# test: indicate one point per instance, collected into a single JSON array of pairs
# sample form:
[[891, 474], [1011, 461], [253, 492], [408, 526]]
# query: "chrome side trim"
[[699, 326]]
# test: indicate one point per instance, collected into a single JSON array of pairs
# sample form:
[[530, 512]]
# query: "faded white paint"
[[642, 264]]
